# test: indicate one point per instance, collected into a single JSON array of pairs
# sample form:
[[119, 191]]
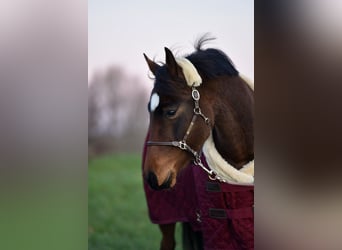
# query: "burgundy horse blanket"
[[224, 213]]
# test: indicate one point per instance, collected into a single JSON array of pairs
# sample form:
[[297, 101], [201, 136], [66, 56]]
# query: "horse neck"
[[233, 121]]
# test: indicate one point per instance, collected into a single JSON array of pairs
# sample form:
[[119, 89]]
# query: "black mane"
[[211, 63]]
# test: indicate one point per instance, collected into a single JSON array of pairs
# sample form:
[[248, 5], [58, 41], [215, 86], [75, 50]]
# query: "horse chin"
[[173, 181], [181, 165], [169, 182]]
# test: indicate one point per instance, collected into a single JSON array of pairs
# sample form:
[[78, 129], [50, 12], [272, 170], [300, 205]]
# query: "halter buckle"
[[195, 94]]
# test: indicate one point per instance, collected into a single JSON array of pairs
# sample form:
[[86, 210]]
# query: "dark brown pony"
[[226, 105]]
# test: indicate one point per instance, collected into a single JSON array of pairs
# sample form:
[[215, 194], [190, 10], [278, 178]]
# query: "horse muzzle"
[[152, 180]]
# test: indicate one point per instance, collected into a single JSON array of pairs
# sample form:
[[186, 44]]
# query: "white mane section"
[[190, 72]]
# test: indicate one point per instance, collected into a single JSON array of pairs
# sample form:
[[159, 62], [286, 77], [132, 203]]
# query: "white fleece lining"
[[244, 176], [193, 79]]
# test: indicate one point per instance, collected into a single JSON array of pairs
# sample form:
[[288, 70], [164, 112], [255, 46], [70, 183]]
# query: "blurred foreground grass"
[[117, 210]]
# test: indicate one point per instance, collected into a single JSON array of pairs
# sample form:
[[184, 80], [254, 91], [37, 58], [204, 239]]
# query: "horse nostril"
[[152, 180]]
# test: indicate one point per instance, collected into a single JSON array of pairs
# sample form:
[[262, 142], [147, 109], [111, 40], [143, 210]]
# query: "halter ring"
[[182, 145]]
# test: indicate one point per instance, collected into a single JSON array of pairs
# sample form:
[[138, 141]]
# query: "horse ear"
[[171, 63], [151, 65]]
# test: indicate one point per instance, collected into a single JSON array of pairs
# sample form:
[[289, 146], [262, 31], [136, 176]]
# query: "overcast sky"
[[121, 31]]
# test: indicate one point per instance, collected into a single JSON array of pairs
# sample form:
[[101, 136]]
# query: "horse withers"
[[201, 114]]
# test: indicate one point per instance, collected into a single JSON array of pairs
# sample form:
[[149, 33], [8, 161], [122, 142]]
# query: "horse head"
[[171, 109], [195, 98]]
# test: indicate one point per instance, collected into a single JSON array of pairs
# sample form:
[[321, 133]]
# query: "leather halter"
[[183, 144]]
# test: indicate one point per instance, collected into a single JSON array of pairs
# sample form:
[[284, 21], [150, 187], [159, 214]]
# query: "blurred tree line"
[[117, 113]]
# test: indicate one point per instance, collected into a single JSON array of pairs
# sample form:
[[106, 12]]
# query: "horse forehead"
[[154, 101]]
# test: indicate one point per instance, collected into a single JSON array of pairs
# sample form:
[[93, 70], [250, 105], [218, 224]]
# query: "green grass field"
[[117, 210]]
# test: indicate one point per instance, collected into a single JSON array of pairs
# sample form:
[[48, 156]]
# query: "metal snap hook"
[[213, 176]]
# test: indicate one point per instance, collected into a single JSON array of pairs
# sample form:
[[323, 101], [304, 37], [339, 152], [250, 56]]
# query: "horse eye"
[[170, 113]]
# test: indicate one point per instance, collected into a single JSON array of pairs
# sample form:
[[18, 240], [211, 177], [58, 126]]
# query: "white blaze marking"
[[154, 102]]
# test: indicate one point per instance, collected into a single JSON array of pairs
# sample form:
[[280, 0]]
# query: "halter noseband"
[[183, 144]]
